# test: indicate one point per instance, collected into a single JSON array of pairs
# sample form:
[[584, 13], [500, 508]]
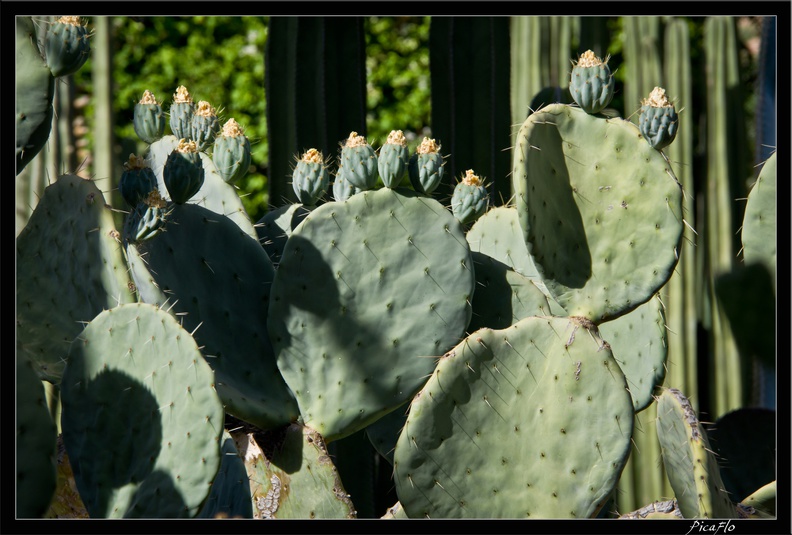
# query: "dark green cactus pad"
[[149, 121], [759, 222], [532, 421], [66, 46], [216, 279], [503, 296], [137, 383], [639, 344], [183, 175], [36, 437], [591, 83], [292, 476], [384, 433], [690, 463], [35, 89], [215, 194], [600, 209], [276, 226], [70, 267], [230, 494], [231, 153], [367, 292]]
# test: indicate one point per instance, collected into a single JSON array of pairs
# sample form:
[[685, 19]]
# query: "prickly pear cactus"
[[425, 167], [393, 159], [367, 293], [294, 478], [658, 120], [35, 89], [230, 494], [360, 162], [66, 45], [183, 172], [137, 383], [36, 437], [532, 421], [503, 296], [689, 461], [181, 113], [470, 198], [310, 178], [276, 226], [231, 154], [149, 118], [591, 83], [600, 210], [217, 281], [759, 222], [70, 267], [639, 342]]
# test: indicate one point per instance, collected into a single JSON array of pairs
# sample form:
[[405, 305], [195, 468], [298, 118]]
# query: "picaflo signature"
[[724, 526]]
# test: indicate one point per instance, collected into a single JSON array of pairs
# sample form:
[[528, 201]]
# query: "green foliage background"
[[221, 60]]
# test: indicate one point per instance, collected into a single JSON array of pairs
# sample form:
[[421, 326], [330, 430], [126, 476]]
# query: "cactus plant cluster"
[[499, 354]]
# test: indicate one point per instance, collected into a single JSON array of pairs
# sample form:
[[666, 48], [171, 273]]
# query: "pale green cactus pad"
[[532, 421], [137, 382], [368, 293], [759, 223], [73, 265], [600, 209], [689, 461], [293, 476]]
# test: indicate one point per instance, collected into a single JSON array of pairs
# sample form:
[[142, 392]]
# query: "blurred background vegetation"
[[221, 60]]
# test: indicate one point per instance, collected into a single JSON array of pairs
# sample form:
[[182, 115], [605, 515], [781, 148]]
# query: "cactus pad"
[[600, 209], [70, 267], [689, 461], [532, 421], [367, 292], [137, 382], [217, 279]]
